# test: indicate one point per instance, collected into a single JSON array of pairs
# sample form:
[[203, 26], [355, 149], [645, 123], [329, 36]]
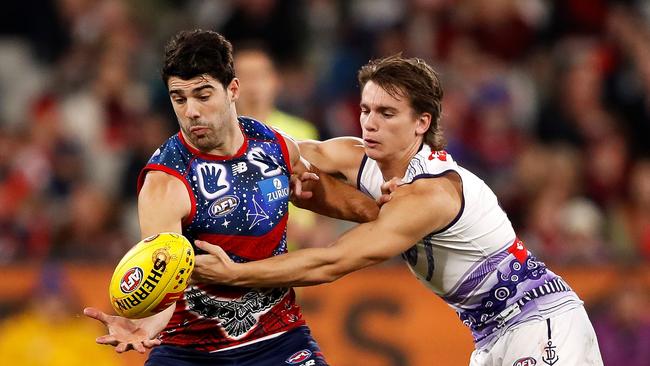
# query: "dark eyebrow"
[[194, 91], [380, 108]]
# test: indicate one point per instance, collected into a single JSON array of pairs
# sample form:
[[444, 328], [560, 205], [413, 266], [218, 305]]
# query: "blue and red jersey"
[[240, 203]]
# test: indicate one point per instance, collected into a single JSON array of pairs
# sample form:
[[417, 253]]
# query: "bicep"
[[410, 215], [163, 202]]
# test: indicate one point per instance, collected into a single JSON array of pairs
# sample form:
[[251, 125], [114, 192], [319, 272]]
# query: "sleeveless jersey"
[[476, 264], [239, 203]]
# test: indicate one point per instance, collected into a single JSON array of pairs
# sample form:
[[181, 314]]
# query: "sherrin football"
[[152, 275]]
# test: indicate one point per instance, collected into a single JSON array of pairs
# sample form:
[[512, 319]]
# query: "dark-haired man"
[[226, 180]]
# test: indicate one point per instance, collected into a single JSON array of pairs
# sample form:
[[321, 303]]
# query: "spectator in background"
[[260, 86], [47, 332], [630, 219], [622, 323]]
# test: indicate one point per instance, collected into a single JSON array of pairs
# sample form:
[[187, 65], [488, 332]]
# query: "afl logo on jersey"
[[223, 206], [131, 280]]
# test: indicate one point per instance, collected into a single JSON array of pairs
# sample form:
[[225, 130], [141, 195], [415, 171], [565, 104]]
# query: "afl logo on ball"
[[131, 280]]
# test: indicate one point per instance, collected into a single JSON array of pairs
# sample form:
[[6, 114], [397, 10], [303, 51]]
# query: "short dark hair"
[[414, 79], [193, 53]]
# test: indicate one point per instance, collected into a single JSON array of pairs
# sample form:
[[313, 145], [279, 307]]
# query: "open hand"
[[216, 267], [124, 334]]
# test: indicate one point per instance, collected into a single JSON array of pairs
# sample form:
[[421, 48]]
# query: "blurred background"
[[547, 101]]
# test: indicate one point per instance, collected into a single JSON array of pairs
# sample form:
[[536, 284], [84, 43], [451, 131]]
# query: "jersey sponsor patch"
[[274, 189]]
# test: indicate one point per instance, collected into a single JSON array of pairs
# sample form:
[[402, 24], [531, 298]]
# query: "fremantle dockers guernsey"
[[477, 264], [239, 203]]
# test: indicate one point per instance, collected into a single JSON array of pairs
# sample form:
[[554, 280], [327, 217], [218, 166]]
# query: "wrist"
[[236, 274]]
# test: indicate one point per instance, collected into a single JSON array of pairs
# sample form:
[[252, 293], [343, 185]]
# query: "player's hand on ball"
[[296, 184], [123, 334], [216, 267]]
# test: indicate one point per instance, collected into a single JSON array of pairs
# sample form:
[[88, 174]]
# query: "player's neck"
[[233, 137], [396, 165], [233, 140]]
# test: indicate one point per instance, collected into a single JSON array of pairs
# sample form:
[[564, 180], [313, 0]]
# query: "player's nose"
[[192, 110], [368, 122]]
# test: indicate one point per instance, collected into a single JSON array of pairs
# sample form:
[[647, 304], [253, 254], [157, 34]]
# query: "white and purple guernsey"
[[477, 264]]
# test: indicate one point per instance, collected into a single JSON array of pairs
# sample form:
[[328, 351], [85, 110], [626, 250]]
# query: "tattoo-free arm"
[[162, 204], [415, 210], [331, 197]]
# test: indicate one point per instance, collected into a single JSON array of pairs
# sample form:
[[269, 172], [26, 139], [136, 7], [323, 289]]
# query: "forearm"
[[305, 267], [333, 198], [156, 323]]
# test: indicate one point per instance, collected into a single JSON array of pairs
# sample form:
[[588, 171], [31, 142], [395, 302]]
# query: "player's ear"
[[233, 90], [423, 123]]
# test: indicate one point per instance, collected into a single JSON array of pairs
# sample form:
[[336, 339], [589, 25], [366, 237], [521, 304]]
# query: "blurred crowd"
[[547, 101]]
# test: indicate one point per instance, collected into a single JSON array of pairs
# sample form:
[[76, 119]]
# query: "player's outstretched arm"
[[414, 211], [162, 204], [329, 196]]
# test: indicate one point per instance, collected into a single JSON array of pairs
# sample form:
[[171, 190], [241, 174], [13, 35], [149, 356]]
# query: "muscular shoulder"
[[341, 155], [163, 188], [439, 198]]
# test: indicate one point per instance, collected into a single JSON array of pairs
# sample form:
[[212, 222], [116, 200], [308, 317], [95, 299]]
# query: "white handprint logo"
[[212, 180], [267, 163]]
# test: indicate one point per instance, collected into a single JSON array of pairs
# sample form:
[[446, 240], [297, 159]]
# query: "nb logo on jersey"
[[268, 165], [212, 180], [239, 168]]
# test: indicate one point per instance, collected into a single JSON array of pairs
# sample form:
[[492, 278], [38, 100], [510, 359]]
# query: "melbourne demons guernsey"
[[477, 264], [239, 203]]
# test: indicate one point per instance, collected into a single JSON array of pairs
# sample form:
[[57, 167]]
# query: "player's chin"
[[374, 153]]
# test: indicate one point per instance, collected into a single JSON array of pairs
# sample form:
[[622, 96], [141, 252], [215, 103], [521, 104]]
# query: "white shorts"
[[566, 339]]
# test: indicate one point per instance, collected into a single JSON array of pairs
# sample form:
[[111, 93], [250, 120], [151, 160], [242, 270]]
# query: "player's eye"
[[179, 100], [204, 98]]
